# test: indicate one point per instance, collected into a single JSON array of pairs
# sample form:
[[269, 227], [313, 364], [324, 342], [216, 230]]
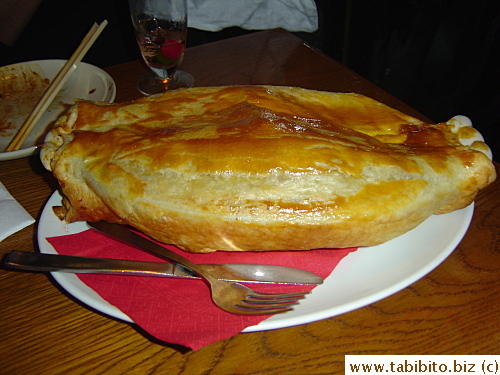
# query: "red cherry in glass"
[[172, 49]]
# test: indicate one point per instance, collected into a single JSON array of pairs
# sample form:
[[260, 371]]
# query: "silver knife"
[[253, 273]]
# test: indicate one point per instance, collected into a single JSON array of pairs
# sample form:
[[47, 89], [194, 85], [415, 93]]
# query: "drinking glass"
[[161, 30]]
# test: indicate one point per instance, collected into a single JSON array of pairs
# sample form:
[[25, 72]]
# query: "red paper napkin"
[[180, 311]]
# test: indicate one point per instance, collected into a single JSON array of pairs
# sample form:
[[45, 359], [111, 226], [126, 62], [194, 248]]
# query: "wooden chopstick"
[[56, 85]]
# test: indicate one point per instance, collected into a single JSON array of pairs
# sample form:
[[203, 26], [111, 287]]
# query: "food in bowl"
[[20, 90]]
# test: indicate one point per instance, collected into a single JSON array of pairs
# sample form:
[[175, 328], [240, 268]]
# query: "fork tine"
[[267, 304], [250, 299], [264, 296], [263, 311]]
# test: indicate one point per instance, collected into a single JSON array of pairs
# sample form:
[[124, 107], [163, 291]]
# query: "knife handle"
[[28, 261]]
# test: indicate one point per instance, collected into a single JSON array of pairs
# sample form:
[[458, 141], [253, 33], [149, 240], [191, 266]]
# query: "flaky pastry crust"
[[256, 168]]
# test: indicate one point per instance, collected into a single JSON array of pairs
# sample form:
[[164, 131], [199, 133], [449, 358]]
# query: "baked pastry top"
[[243, 168]]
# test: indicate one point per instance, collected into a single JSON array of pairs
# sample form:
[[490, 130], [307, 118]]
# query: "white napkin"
[[13, 217], [291, 15]]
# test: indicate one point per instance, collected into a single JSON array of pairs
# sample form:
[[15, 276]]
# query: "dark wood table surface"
[[452, 310]]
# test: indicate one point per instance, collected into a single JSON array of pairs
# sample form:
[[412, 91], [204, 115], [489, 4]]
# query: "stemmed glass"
[[161, 30]]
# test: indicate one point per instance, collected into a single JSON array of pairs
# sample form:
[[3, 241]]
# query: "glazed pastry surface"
[[256, 168]]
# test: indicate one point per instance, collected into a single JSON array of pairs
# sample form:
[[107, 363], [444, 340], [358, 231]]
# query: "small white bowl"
[[22, 84]]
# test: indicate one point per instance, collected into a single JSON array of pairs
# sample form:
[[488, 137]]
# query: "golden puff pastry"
[[256, 168]]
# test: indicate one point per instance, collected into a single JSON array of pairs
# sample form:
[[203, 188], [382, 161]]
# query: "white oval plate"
[[86, 82], [363, 277]]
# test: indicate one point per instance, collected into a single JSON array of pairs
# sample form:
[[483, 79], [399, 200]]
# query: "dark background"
[[439, 56]]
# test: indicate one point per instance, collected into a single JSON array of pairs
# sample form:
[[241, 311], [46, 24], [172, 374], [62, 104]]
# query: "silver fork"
[[230, 296]]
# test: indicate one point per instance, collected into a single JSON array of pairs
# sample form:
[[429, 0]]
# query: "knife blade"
[[252, 273]]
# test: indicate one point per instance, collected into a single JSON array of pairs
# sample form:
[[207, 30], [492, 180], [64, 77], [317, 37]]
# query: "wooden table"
[[453, 310]]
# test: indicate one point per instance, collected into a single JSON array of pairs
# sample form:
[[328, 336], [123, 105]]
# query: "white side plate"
[[86, 82]]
